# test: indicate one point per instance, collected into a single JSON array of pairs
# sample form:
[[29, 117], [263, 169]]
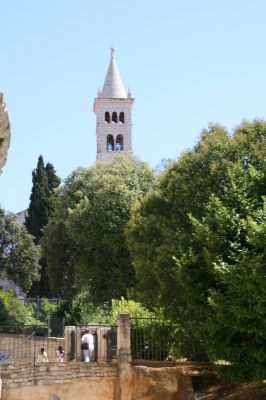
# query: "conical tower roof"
[[113, 87]]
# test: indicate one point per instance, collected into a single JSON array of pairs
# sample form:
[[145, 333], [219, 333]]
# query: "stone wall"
[[117, 380], [64, 381], [103, 129], [80, 381], [4, 132]]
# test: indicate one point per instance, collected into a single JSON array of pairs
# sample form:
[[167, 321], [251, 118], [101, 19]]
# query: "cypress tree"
[[44, 183], [40, 200], [53, 179]]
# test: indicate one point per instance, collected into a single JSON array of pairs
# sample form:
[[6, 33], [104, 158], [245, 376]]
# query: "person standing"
[[87, 345]]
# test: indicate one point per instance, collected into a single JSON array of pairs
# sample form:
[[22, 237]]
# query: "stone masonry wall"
[[119, 380], [82, 381], [103, 129], [4, 131], [58, 381]]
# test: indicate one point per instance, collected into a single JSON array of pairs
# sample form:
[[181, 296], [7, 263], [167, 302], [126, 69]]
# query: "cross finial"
[[112, 52]]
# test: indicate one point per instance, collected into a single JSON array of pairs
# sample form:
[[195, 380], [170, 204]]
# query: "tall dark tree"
[[41, 207], [40, 201], [53, 179]]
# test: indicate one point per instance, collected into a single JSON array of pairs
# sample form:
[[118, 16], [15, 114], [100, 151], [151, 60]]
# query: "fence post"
[[123, 357], [71, 343], [34, 337], [38, 306]]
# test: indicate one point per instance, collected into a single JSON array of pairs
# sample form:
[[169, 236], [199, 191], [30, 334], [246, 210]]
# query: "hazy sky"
[[188, 63]]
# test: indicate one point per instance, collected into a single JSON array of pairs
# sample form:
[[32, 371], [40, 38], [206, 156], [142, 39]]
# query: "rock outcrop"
[[170, 383], [5, 132]]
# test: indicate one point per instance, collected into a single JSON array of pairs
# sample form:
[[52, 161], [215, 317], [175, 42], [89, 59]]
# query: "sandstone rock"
[[160, 384]]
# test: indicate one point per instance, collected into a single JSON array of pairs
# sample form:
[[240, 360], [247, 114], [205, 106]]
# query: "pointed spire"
[[113, 86]]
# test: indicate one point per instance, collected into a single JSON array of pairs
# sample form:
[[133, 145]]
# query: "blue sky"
[[188, 63]]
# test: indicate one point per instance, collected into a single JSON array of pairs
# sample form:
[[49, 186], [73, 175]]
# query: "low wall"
[[119, 380], [58, 381], [83, 381]]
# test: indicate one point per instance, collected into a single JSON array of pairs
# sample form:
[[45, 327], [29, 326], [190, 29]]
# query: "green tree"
[[84, 312], [42, 199], [232, 235], [190, 242], [19, 256], [85, 242], [53, 180], [42, 203], [12, 312]]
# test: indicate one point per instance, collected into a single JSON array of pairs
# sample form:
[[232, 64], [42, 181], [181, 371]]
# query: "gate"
[[105, 342]]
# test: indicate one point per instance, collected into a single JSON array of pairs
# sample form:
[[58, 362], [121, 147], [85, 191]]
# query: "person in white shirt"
[[87, 345], [42, 357]]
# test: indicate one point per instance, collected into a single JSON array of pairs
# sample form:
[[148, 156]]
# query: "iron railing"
[[105, 342], [24, 343], [56, 326], [151, 339]]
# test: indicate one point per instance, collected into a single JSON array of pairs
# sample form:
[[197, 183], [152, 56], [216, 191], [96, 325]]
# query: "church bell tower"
[[112, 107]]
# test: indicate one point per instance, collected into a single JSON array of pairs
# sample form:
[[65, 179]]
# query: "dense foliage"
[[19, 256], [83, 312], [198, 246], [12, 312], [85, 242]]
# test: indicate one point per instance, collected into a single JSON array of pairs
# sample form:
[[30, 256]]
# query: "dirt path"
[[244, 392]]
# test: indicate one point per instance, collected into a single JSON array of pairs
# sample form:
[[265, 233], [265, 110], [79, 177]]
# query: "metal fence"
[[56, 326], [24, 343], [36, 301], [105, 342], [151, 339]]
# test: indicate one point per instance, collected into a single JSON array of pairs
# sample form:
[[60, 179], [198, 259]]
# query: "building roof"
[[21, 217], [113, 87]]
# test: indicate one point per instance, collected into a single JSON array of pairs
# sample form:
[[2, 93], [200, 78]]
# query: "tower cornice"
[[103, 101]]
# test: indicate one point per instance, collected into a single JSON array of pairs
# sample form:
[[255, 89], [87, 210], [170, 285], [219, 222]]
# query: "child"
[[60, 354], [42, 357]]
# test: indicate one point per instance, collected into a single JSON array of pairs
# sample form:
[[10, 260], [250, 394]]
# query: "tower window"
[[107, 117], [119, 143], [114, 117], [122, 117], [110, 143]]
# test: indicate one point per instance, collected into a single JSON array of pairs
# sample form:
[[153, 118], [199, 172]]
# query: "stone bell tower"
[[112, 107]]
